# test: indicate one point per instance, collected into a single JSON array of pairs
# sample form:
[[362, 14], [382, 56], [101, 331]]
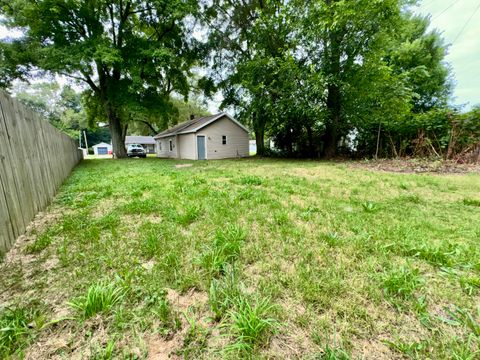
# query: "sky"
[[450, 17], [458, 21]]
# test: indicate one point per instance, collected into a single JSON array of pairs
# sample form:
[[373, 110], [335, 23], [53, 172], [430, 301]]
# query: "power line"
[[465, 25], [444, 10]]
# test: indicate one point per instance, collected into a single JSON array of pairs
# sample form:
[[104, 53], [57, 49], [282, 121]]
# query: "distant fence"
[[35, 158]]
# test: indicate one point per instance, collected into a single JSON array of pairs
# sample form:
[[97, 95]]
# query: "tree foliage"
[[131, 54], [62, 107], [312, 74], [319, 77]]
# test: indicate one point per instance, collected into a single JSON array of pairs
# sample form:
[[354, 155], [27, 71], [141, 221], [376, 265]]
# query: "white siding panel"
[[186, 146], [237, 140], [163, 147]]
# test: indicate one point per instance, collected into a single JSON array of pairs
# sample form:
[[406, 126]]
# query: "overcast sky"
[[450, 17]]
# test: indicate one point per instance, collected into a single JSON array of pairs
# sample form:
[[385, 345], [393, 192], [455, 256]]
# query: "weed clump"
[[16, 329], [224, 250], [471, 202], [250, 323], [401, 283], [100, 298]]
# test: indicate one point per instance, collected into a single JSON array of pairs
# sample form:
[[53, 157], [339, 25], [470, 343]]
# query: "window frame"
[[170, 144], [224, 138]]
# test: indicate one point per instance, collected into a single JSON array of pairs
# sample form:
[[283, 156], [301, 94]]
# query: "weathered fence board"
[[35, 159]]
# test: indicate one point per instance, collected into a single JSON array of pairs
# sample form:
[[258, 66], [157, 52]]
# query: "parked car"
[[134, 150]]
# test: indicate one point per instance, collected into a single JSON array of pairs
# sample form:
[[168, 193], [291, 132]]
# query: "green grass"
[[17, 327], [100, 298], [250, 324], [354, 264]]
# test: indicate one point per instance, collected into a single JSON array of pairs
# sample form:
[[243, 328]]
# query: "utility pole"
[[85, 136]]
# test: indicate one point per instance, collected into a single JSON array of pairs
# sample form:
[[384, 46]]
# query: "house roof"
[[194, 125], [102, 144], [139, 140]]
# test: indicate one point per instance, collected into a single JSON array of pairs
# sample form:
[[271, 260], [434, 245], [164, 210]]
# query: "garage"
[[102, 149]]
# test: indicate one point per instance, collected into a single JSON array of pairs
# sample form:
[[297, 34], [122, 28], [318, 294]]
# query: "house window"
[[224, 139], [170, 144], [160, 145]]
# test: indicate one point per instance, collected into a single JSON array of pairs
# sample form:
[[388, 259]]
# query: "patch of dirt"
[[417, 166], [49, 347], [148, 265], [50, 264], [105, 206], [161, 349], [182, 302], [292, 346], [373, 349], [37, 226]]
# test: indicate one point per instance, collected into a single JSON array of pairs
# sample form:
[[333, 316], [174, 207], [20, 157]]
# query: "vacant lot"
[[248, 258]]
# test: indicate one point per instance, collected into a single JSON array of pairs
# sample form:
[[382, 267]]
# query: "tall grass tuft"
[[401, 282], [15, 330], [332, 353], [224, 250], [100, 298], [250, 324], [40, 243], [223, 293]]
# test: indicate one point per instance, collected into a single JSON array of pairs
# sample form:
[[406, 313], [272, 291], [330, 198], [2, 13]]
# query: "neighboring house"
[[210, 137], [102, 149], [253, 147], [148, 142]]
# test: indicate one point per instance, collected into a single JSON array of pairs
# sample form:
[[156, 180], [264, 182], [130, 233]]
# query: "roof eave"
[[243, 127]]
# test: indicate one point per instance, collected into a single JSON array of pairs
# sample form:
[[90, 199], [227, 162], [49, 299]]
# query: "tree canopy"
[[131, 54], [319, 78]]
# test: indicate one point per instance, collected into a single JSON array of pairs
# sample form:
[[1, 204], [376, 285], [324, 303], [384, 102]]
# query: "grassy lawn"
[[247, 258]]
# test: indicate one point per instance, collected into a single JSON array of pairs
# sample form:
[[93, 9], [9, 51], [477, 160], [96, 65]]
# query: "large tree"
[[131, 54], [250, 40]]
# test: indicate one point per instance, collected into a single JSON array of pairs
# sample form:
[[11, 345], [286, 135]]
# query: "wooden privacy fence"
[[35, 158]]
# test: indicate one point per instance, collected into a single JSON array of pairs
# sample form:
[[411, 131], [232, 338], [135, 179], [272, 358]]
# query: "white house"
[[217, 136], [102, 149], [148, 142]]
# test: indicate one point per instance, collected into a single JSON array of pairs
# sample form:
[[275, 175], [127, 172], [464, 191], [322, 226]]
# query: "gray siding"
[[163, 147], [187, 146], [237, 140]]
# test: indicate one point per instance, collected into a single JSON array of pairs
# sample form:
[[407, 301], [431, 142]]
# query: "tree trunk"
[[259, 129], [334, 101], [260, 141], [331, 132], [118, 136], [310, 150]]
